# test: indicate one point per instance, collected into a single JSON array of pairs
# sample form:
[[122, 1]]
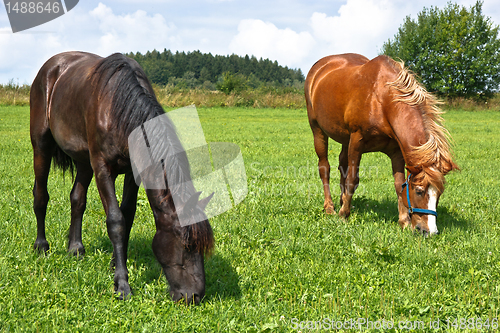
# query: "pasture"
[[280, 263]]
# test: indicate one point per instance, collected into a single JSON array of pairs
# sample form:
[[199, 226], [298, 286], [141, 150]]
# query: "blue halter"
[[412, 210]]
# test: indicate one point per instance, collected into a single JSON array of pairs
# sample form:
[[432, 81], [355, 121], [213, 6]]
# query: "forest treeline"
[[196, 69]]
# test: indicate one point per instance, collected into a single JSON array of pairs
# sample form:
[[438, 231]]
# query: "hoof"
[[124, 293], [344, 213], [77, 249], [41, 246], [329, 209]]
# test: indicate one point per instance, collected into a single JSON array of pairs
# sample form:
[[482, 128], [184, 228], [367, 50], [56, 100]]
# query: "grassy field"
[[280, 264]]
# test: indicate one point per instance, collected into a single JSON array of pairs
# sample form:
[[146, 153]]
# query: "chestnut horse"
[[83, 108], [378, 105]]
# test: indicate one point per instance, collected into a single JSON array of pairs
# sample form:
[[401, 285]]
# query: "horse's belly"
[[339, 135], [74, 146], [68, 130], [334, 126]]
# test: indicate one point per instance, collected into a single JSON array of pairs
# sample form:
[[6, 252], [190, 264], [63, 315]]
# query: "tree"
[[230, 82], [169, 68], [455, 51]]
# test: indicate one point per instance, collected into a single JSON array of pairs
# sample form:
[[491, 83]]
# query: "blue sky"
[[296, 33]]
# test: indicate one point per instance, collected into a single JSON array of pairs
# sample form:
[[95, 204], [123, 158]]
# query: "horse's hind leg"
[[41, 166], [352, 173], [78, 198], [321, 147], [343, 168]]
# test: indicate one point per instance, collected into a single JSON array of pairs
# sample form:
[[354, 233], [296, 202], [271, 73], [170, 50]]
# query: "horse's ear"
[[204, 202], [190, 204], [450, 166], [413, 170]]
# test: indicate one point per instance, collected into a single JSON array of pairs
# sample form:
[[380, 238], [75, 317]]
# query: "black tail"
[[62, 161]]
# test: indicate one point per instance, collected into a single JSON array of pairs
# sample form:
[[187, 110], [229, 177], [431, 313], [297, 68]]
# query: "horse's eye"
[[420, 191]]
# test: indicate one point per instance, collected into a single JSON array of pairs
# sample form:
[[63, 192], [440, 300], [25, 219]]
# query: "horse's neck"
[[162, 206], [409, 130]]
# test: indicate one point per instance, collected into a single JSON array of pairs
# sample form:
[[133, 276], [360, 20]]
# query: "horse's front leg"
[[115, 223], [352, 173], [129, 205], [398, 172]]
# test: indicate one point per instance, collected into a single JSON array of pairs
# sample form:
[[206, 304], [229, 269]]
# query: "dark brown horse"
[[372, 106], [83, 108]]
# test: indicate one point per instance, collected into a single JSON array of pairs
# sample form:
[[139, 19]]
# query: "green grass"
[[278, 257]]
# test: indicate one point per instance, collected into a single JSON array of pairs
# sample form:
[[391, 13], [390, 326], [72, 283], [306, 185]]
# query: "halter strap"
[[412, 210]]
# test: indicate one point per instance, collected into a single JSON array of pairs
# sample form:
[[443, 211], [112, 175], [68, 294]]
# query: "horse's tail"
[[62, 161]]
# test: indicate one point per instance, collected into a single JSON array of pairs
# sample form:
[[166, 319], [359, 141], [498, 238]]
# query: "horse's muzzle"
[[182, 296], [425, 233]]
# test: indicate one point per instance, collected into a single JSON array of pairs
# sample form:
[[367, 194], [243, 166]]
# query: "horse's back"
[[59, 97], [51, 71], [48, 80], [342, 94], [331, 63], [329, 115]]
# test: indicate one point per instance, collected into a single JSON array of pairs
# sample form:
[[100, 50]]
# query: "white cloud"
[[314, 28], [125, 33], [20, 53], [264, 39], [99, 31], [359, 27]]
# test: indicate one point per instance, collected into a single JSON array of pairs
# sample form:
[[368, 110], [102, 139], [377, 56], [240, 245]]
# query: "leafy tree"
[[205, 75], [455, 51]]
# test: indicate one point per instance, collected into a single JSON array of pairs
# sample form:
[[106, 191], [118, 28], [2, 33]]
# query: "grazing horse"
[[83, 109], [372, 106]]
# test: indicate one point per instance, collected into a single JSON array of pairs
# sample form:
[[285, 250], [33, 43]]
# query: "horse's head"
[[181, 249], [421, 196]]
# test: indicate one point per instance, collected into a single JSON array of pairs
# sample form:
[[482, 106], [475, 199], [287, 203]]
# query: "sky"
[[296, 33]]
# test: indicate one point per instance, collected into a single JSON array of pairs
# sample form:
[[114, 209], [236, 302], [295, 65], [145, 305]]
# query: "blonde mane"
[[434, 157]]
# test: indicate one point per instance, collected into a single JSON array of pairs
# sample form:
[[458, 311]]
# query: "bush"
[[230, 82]]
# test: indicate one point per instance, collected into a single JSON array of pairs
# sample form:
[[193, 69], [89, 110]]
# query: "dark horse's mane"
[[132, 105], [435, 158]]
